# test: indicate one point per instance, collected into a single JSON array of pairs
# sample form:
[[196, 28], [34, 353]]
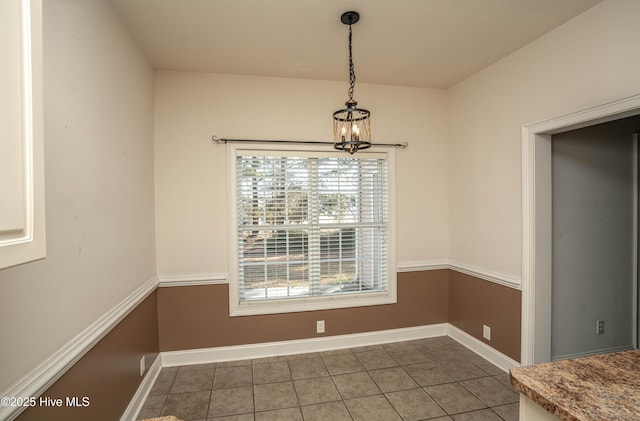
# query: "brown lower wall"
[[474, 302], [198, 316], [109, 374], [192, 317]]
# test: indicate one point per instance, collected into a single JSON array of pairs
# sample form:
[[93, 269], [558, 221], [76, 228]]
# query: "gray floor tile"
[[273, 372], [454, 398], [288, 414], [314, 391], [433, 379], [333, 411], [461, 369], [407, 353], [272, 396], [372, 408], [401, 346], [482, 415], [485, 365], [187, 406], [241, 417], [409, 356], [355, 385], [235, 363], [233, 376], [193, 380], [163, 383], [152, 407], [490, 391], [392, 379], [307, 368], [446, 351], [414, 405], [342, 363], [428, 374], [231, 401], [505, 380], [509, 412], [374, 359]]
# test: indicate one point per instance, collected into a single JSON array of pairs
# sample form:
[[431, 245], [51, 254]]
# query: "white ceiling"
[[426, 43]]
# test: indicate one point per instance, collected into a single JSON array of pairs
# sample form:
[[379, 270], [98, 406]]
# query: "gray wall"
[[593, 220]]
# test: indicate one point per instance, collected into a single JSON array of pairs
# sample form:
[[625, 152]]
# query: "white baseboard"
[[138, 400], [50, 370], [482, 349], [271, 349]]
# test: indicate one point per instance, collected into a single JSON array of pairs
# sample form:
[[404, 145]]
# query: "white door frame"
[[536, 219]]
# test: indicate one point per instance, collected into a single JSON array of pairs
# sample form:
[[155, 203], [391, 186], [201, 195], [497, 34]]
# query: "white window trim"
[[289, 305]]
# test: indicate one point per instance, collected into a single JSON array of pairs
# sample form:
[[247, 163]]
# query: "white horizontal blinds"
[[352, 219], [273, 226], [311, 226]]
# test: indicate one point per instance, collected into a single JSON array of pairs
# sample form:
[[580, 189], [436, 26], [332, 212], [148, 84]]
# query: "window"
[[310, 230]]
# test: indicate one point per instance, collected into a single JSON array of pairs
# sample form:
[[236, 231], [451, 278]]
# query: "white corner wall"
[[191, 171], [586, 62], [98, 110]]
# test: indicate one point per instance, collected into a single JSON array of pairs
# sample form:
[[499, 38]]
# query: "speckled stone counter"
[[599, 387]]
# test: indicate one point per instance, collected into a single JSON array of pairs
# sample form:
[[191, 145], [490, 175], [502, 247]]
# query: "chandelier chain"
[[352, 72]]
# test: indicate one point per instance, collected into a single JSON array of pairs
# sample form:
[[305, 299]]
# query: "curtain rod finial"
[[217, 141]]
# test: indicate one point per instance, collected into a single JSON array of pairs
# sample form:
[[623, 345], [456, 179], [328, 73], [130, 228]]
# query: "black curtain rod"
[[215, 139]]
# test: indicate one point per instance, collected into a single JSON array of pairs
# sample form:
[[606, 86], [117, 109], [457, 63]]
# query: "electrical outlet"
[[600, 327], [486, 332], [142, 366], [320, 326]]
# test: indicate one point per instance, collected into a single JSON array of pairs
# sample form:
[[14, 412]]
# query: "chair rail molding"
[[511, 281], [50, 370], [191, 279]]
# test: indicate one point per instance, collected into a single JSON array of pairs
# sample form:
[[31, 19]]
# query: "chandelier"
[[351, 125]]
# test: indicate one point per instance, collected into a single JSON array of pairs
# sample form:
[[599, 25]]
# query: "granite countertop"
[[598, 387]]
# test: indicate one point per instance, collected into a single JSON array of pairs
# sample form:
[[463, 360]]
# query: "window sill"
[[293, 305]]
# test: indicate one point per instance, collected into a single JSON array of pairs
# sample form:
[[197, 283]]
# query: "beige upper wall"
[[591, 60], [98, 108], [191, 171]]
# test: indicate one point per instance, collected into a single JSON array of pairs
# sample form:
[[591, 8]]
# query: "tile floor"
[[426, 379]]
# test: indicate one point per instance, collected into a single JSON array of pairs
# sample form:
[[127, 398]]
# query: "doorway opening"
[[537, 221], [594, 239]]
